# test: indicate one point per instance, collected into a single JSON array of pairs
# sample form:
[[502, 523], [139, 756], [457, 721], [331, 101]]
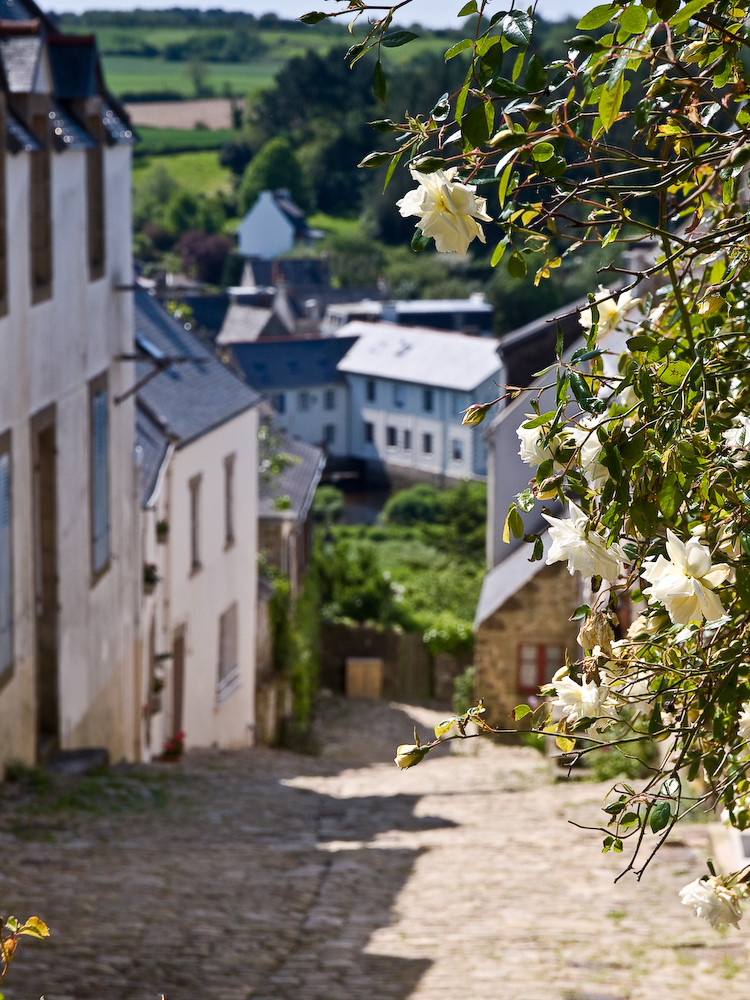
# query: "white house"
[[272, 226], [69, 561], [197, 448], [301, 380], [409, 387]]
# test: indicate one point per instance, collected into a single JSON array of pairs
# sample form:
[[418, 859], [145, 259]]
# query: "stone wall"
[[407, 666], [538, 613]]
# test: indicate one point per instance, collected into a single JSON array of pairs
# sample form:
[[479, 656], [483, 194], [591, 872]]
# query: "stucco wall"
[[50, 353]]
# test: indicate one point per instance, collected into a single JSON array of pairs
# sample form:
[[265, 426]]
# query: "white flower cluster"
[[684, 583], [586, 551]]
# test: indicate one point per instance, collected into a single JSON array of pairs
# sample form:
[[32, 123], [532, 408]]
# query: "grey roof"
[[473, 304], [152, 447], [20, 55], [116, 124], [291, 210], [68, 132], [19, 137], [298, 272], [271, 365], [244, 322], [18, 10], [507, 578], [423, 357], [298, 481], [196, 392], [73, 64]]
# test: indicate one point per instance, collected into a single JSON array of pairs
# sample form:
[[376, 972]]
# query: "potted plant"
[[162, 531], [150, 577], [174, 747]]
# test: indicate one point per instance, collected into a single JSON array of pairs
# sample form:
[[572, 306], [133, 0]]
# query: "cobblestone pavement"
[[281, 877]]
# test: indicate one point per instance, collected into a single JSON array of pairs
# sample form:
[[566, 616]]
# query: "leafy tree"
[[275, 166], [650, 428]]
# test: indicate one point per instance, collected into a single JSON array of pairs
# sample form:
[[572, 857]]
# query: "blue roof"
[[273, 365], [151, 449], [193, 392]]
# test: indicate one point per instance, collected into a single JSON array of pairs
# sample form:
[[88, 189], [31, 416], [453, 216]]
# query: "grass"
[[198, 173], [161, 141]]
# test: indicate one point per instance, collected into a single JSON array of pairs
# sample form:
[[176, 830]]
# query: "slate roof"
[[419, 356], [19, 10], [298, 481], [507, 578], [73, 64], [152, 446], [298, 272], [21, 54], [272, 365], [243, 323], [193, 395]]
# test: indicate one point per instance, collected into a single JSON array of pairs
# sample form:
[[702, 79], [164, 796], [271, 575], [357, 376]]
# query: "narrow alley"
[[279, 876]]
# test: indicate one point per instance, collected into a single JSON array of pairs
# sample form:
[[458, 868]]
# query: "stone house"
[[69, 562]]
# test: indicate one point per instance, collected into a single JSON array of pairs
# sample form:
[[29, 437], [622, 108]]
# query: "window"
[[95, 199], [3, 228], [278, 402], [407, 440], [40, 214], [428, 400], [391, 437], [458, 404], [195, 512], [427, 444], [99, 474], [303, 401], [329, 434], [457, 450], [228, 670], [537, 662], [369, 432], [229, 500], [399, 396], [370, 390], [329, 399], [6, 564]]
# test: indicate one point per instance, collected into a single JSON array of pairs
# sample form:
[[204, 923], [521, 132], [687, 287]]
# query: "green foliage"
[[464, 693], [455, 517], [352, 583], [274, 166], [158, 141], [328, 505], [295, 643]]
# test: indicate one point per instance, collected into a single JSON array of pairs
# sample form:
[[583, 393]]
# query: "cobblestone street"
[[278, 876]]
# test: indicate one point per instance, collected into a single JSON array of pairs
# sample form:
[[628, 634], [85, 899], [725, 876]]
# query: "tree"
[[651, 426], [275, 166]]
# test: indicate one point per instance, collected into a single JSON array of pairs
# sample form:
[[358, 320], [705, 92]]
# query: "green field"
[[133, 75], [167, 141], [198, 173]]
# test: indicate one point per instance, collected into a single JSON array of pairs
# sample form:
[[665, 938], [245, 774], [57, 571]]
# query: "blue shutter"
[[99, 481], [6, 598]]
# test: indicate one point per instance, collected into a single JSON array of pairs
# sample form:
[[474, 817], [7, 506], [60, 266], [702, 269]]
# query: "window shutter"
[[6, 598], [99, 481]]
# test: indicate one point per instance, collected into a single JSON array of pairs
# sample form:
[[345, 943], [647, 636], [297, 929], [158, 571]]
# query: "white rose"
[[611, 311], [713, 901], [585, 551], [684, 582], [447, 210]]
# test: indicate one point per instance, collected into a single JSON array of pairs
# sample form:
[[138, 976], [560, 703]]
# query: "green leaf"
[[597, 16], [396, 38], [34, 927], [383, 125], [535, 77], [419, 241], [513, 524], [391, 169], [442, 109], [670, 496], [468, 8], [379, 87], [610, 103], [659, 817], [521, 711], [313, 17], [673, 372], [516, 266], [634, 20], [476, 125], [543, 151], [516, 26], [497, 253], [506, 88], [580, 612], [458, 48]]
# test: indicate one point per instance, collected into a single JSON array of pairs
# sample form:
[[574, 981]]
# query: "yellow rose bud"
[[476, 413], [409, 754]]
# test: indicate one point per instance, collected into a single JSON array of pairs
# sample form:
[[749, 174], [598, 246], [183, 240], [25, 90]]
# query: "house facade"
[[301, 380], [272, 226], [69, 597], [409, 388], [197, 449]]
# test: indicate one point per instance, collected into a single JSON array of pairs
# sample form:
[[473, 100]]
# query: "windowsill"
[[41, 293], [97, 574], [226, 687]]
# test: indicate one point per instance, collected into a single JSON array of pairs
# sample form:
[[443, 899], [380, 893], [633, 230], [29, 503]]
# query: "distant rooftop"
[[273, 365], [417, 355]]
